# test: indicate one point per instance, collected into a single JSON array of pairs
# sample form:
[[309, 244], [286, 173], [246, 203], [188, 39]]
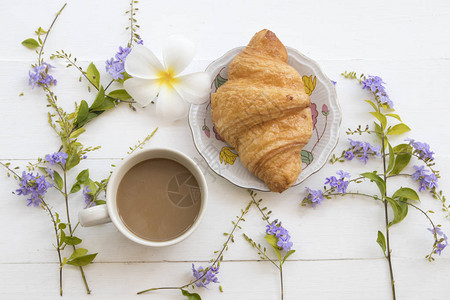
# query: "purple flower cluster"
[[422, 149], [340, 184], [35, 186], [207, 278], [375, 85], [362, 150], [281, 233], [442, 242], [427, 181], [88, 196], [57, 157], [315, 196], [116, 65], [39, 76]]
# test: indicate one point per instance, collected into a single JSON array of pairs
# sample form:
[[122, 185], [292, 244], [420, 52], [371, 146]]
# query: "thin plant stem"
[[9, 169], [386, 216], [48, 32], [281, 281], [130, 43], [58, 248], [225, 246], [112, 80], [66, 198]]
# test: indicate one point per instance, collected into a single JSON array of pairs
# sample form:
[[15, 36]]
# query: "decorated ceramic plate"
[[224, 159]]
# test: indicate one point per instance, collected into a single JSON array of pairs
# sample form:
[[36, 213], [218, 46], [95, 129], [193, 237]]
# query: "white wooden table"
[[405, 42]]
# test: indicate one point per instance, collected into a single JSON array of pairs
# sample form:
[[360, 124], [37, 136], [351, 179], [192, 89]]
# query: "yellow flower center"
[[167, 77]]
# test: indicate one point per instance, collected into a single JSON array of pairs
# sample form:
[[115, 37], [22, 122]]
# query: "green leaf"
[[400, 210], [391, 158], [89, 117], [120, 94], [93, 75], [77, 132], [72, 240], [378, 131], [289, 253], [40, 31], [190, 296], [377, 179], [62, 237], [75, 188], [403, 149], [78, 252], [62, 226], [83, 177], [99, 98], [92, 186], [307, 157], [83, 111], [272, 240], [372, 104], [81, 261], [58, 180], [106, 104], [398, 129], [73, 160], [381, 240], [394, 116], [31, 43], [380, 118], [401, 161], [407, 193]]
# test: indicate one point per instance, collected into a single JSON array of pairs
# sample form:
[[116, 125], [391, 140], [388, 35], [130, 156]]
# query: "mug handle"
[[94, 216]]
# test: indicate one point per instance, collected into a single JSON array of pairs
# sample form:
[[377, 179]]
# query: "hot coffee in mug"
[[155, 197]]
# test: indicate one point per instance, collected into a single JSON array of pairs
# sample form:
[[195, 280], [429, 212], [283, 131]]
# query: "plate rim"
[[212, 66]]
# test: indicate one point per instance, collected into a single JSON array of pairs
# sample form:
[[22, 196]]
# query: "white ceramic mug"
[[108, 213]]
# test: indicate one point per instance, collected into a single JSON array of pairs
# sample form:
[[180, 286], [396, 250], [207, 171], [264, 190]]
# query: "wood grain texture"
[[337, 257]]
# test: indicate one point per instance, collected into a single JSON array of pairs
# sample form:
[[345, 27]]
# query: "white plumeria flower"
[[152, 79]]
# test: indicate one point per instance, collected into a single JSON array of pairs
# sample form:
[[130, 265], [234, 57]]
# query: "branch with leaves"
[[394, 159], [55, 168]]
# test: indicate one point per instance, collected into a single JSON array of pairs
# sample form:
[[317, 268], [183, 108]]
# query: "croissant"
[[263, 111]]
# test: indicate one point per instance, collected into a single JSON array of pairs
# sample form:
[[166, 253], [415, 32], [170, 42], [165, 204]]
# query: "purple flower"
[[441, 243], [205, 279], [39, 76], [50, 172], [88, 196], [422, 149], [427, 181], [349, 155], [116, 67], [35, 186], [375, 85], [140, 42], [316, 197], [362, 150], [57, 157], [277, 230], [339, 184], [285, 243]]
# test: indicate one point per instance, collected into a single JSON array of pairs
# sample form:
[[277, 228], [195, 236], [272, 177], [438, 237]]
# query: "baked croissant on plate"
[[263, 112]]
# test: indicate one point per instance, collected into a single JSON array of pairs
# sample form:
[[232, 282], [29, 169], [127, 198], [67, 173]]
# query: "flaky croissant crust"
[[263, 111]]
